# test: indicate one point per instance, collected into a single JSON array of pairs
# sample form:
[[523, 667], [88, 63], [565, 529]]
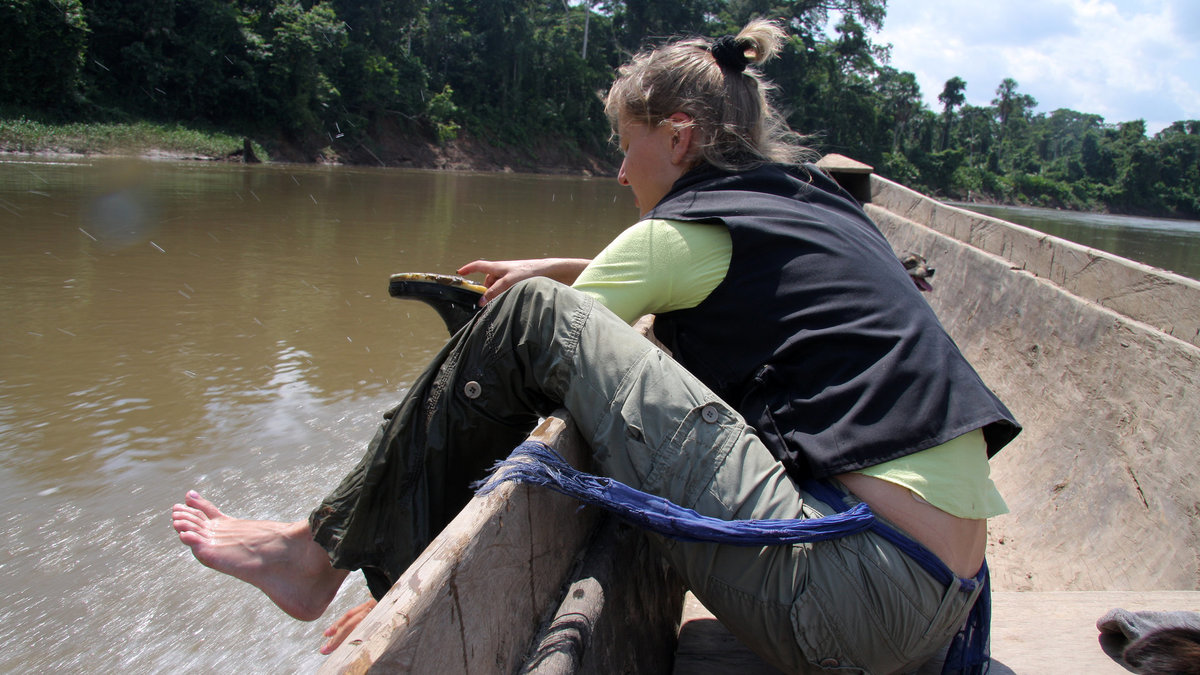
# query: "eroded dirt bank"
[[464, 153]]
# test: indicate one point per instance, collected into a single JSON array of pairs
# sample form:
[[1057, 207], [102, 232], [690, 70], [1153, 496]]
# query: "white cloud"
[[1120, 59]]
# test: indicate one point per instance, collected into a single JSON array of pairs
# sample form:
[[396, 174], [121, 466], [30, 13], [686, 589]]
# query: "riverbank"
[[470, 153], [387, 147], [20, 135]]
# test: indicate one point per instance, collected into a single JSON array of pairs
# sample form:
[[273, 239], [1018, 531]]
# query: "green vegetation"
[[1008, 153], [349, 77], [24, 135]]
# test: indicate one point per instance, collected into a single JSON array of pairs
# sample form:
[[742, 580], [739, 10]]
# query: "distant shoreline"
[[171, 142], [148, 140]]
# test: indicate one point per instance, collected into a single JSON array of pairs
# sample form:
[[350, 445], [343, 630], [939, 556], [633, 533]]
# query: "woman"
[[832, 321], [818, 378]]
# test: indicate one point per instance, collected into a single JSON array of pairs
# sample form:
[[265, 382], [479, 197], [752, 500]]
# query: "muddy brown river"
[[228, 328]]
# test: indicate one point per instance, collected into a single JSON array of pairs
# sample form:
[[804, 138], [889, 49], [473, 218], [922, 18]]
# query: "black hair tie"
[[730, 53]]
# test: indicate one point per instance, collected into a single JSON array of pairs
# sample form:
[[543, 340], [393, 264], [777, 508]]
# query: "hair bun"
[[730, 53]]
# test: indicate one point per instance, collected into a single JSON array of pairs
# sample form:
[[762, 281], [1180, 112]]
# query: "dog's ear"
[[1172, 651]]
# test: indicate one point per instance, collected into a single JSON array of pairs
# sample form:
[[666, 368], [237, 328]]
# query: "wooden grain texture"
[[1055, 632], [1032, 634], [1170, 302], [1102, 485], [474, 599], [620, 613]]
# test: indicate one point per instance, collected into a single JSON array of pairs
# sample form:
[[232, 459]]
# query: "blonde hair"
[[735, 127]]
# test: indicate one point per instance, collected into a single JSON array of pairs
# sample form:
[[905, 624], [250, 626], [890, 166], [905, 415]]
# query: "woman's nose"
[[621, 176]]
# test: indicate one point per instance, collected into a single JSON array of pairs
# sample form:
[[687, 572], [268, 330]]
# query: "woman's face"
[[653, 161]]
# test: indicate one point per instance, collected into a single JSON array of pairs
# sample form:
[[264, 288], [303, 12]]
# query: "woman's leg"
[[537, 347], [454, 422], [651, 425]]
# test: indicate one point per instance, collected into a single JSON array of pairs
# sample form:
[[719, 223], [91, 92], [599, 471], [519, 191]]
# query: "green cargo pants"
[[855, 604]]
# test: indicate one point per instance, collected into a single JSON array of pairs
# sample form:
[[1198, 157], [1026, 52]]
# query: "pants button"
[[709, 414]]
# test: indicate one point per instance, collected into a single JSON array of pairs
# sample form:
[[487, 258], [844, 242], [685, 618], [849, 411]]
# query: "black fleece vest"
[[817, 335]]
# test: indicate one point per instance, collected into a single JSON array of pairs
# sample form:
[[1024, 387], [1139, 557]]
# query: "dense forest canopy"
[[340, 75]]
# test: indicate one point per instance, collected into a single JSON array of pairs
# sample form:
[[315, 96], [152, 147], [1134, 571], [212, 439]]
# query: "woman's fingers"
[[500, 275], [345, 624]]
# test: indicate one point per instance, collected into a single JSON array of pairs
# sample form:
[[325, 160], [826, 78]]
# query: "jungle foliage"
[[343, 74]]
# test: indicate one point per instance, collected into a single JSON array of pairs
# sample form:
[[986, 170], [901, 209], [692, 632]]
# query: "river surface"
[[166, 326]]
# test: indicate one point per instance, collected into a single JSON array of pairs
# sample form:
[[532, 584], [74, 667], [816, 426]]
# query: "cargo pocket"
[[845, 620], [818, 636], [817, 633], [684, 465]]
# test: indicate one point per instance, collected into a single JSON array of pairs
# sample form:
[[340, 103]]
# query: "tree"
[[1011, 105], [1097, 158], [976, 132], [303, 50], [953, 95], [130, 56], [1063, 132], [901, 96], [636, 20], [526, 72], [43, 51], [380, 77]]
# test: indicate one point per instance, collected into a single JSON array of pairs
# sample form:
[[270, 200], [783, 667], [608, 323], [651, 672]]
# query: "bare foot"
[[279, 559]]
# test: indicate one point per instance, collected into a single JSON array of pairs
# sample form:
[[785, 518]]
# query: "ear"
[[681, 142]]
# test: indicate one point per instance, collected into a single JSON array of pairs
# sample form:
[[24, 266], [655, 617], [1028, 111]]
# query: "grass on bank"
[[21, 134]]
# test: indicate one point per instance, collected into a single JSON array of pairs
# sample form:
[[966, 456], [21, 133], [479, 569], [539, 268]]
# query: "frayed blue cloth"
[[537, 463]]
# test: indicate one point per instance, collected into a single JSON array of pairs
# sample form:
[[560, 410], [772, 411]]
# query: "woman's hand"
[[344, 625], [500, 275]]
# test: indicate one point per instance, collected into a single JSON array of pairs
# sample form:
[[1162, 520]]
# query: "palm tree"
[[952, 96]]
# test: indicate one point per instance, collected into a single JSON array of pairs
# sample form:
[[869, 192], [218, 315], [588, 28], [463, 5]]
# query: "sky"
[[1121, 59]]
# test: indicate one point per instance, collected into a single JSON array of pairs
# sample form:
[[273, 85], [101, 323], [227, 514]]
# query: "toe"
[[192, 538], [186, 521], [206, 507], [181, 511]]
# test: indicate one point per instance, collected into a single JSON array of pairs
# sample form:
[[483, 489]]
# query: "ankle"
[[298, 530]]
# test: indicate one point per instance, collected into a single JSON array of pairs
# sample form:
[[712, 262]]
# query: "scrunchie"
[[730, 53]]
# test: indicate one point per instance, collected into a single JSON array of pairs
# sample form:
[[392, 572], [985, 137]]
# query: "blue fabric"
[[537, 463], [969, 652]]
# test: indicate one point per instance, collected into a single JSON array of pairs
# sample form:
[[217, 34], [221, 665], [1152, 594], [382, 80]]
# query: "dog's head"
[[918, 270]]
